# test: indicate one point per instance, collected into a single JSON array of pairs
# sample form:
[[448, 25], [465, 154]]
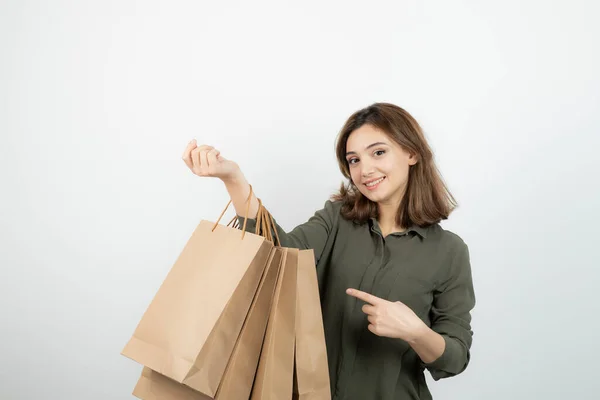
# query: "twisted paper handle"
[[265, 224]]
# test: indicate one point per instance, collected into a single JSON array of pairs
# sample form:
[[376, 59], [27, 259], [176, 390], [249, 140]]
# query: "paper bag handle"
[[235, 217], [265, 224]]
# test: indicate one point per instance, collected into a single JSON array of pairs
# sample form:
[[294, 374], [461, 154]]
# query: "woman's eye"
[[352, 161], [380, 152]]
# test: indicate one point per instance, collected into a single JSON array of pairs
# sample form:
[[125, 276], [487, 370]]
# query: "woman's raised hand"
[[206, 161]]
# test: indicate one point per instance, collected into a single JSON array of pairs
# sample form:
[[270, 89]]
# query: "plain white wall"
[[98, 100]]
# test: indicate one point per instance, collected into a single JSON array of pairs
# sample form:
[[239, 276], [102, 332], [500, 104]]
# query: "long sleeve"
[[451, 316], [312, 234]]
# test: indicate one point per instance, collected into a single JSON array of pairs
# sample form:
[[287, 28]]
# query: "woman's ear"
[[413, 158]]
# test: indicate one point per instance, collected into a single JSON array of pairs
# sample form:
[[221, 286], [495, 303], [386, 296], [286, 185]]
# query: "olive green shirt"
[[426, 268]]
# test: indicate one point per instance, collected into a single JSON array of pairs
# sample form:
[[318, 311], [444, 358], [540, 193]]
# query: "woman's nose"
[[367, 171]]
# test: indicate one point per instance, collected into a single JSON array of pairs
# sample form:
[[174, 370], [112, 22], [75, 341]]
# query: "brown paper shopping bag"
[[241, 370], [311, 375], [239, 376], [274, 377], [192, 324], [154, 386]]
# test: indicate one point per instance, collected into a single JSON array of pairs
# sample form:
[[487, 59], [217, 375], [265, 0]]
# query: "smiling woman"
[[392, 177], [396, 288]]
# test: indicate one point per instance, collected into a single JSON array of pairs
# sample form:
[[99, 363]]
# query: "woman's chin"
[[373, 196]]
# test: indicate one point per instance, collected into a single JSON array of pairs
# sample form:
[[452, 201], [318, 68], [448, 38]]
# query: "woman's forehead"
[[364, 137]]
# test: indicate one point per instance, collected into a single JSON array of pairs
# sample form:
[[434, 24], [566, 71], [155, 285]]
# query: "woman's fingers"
[[199, 164], [204, 161], [373, 320], [211, 157], [196, 160], [187, 154], [369, 309]]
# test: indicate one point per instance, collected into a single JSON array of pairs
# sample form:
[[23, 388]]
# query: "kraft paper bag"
[[192, 324], [241, 369], [274, 377], [154, 386], [311, 374]]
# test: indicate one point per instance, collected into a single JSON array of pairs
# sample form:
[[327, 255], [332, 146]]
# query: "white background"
[[98, 100]]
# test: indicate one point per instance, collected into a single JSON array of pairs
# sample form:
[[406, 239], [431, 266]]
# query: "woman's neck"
[[387, 218], [388, 212]]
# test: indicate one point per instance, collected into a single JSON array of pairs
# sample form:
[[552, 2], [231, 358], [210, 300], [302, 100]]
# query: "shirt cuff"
[[250, 225], [442, 367]]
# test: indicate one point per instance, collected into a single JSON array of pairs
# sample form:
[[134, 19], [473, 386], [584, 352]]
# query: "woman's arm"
[[206, 161], [443, 348], [428, 344], [451, 318], [239, 189]]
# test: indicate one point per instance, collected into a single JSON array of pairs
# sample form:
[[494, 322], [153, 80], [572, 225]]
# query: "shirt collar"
[[421, 231]]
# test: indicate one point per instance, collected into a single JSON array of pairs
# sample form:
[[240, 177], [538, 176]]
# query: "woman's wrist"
[[235, 178], [428, 344], [419, 333]]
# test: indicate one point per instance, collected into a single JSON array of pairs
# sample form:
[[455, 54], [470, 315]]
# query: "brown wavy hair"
[[427, 199]]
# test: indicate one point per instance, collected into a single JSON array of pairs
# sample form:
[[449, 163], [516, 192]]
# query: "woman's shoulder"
[[330, 208], [329, 212], [451, 249], [445, 237], [333, 206]]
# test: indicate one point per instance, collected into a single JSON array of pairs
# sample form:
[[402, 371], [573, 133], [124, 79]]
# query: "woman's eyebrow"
[[367, 148]]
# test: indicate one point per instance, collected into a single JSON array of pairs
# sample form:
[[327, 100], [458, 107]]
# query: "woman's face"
[[378, 165]]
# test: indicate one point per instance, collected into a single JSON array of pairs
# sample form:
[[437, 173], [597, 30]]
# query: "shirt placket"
[[355, 317]]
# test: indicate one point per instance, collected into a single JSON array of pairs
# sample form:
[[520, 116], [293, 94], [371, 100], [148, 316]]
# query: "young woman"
[[396, 288]]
